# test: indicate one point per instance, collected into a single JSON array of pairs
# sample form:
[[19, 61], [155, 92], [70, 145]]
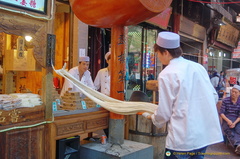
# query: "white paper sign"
[[82, 52]]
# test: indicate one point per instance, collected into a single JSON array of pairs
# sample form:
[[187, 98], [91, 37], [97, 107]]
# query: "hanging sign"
[[236, 52], [20, 47], [32, 5], [228, 35]]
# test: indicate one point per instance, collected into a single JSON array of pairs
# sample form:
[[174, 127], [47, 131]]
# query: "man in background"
[[102, 80], [82, 74], [230, 113]]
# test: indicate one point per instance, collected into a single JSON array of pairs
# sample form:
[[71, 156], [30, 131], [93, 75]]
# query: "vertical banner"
[[20, 47], [116, 122], [117, 62], [236, 52]]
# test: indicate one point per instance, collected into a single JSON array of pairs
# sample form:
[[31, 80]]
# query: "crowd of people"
[[218, 81]]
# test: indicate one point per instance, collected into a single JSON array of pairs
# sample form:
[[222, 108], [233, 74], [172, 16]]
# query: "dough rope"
[[111, 104]]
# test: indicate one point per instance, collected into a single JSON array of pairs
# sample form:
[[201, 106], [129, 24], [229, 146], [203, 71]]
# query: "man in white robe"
[[102, 80], [187, 101], [81, 73]]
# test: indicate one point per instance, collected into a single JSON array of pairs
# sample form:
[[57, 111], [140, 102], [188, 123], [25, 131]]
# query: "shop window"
[[191, 57], [141, 59], [221, 60]]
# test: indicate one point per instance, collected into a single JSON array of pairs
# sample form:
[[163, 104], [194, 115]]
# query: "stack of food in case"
[[71, 101], [89, 103], [17, 100], [55, 94]]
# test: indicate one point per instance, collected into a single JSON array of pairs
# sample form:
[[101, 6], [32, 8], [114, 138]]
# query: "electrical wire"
[[214, 2], [27, 126]]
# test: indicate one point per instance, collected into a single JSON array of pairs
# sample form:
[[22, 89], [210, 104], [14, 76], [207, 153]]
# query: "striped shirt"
[[229, 109]]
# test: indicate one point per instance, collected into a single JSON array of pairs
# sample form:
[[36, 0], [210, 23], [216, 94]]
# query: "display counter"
[[71, 123]]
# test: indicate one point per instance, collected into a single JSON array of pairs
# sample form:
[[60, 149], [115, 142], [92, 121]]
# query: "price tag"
[[58, 101], [98, 106], [84, 106], [54, 106]]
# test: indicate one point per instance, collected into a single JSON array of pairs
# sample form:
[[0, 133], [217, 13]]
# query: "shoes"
[[237, 150]]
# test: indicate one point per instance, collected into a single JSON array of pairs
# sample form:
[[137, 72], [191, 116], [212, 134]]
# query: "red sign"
[[205, 59], [211, 66], [161, 19], [233, 80]]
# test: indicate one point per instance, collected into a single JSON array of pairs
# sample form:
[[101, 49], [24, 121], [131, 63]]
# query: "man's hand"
[[147, 115], [229, 122], [152, 85], [232, 126]]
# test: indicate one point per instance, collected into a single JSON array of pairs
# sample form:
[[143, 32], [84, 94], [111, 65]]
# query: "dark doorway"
[[99, 40]]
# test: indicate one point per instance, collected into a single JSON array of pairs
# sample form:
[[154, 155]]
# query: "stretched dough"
[[111, 104]]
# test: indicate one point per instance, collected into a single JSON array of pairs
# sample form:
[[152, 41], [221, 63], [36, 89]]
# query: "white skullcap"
[[107, 54], [215, 70], [168, 40], [236, 87], [84, 58]]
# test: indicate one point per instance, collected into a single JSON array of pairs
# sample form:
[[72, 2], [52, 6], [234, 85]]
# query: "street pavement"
[[216, 151], [221, 151]]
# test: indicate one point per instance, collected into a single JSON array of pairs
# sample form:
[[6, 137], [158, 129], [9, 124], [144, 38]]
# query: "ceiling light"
[[28, 38], [220, 54]]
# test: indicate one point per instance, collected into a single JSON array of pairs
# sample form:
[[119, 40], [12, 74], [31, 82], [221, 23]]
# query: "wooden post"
[[116, 122]]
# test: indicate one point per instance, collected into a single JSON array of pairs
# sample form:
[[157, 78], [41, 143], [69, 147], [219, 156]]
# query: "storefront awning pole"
[[116, 121]]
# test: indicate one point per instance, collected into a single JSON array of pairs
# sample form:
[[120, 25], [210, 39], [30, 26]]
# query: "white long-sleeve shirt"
[[187, 102], [215, 81], [86, 80], [102, 81]]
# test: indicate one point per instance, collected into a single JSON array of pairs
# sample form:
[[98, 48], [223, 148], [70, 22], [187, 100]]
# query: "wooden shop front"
[[32, 132]]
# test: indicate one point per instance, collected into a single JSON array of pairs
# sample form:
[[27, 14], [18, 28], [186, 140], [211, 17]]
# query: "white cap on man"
[[84, 58], [168, 40], [236, 87], [106, 55]]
